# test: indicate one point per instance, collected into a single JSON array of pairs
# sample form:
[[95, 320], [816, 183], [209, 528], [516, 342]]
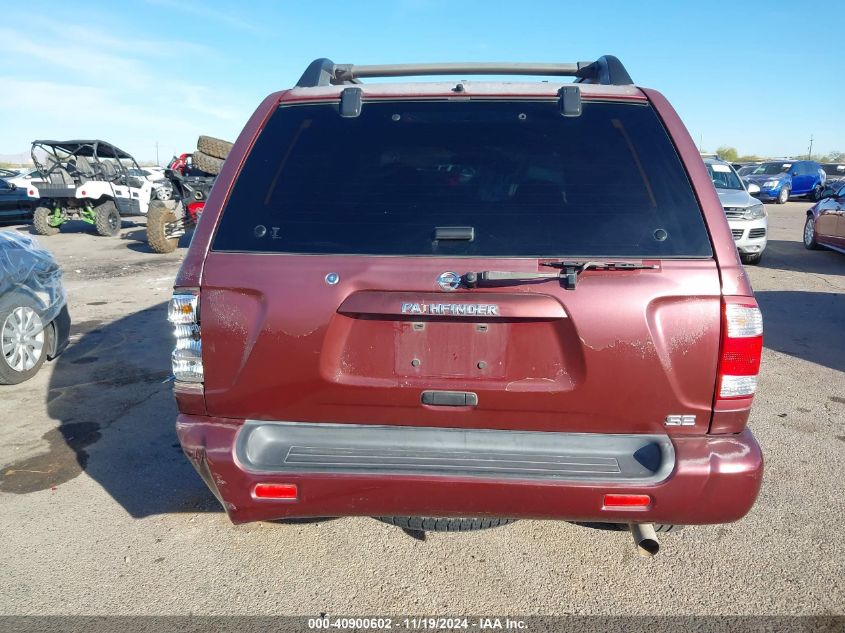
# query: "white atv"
[[86, 180]]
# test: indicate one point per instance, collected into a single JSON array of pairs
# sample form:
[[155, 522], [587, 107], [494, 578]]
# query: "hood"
[[734, 198]]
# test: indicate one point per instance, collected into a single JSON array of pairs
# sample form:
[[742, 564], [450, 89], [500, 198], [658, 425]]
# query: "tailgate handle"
[[450, 398]]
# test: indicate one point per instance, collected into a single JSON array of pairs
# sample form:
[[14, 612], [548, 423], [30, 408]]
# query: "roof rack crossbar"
[[605, 70]]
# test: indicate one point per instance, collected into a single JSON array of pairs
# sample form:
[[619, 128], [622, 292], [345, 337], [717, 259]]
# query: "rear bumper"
[[691, 480]]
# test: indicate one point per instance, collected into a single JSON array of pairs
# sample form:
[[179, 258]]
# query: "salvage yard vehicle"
[[453, 304], [825, 224], [746, 215], [14, 203], [34, 319], [781, 180], [179, 204], [88, 180]]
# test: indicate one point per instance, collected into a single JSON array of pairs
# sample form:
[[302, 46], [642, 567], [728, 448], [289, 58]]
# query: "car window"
[[771, 169], [529, 181], [723, 176]]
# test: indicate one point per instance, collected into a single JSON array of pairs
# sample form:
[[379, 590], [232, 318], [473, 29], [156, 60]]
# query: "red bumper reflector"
[[279, 492], [626, 501]]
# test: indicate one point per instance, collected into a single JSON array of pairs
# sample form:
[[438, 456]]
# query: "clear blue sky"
[[748, 74]]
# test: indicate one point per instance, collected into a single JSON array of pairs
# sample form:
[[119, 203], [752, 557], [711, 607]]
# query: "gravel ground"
[[101, 513]]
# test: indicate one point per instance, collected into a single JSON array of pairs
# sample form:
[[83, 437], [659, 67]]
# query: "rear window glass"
[[528, 181]]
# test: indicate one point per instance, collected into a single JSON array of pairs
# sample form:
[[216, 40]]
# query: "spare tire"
[[208, 164], [214, 147]]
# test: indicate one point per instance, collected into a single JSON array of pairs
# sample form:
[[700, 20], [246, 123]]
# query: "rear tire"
[[214, 147], [208, 164], [41, 221], [107, 220], [783, 195], [810, 234], [158, 216], [438, 524], [751, 260]]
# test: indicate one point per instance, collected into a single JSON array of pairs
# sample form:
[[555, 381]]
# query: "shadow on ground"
[[791, 255], [807, 325], [116, 418]]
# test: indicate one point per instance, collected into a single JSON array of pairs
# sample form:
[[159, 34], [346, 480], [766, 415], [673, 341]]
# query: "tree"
[[726, 153]]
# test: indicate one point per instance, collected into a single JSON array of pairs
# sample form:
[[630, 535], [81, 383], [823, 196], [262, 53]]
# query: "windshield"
[[723, 177], [530, 183], [771, 169]]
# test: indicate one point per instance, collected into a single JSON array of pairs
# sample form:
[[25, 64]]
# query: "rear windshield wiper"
[[568, 273]]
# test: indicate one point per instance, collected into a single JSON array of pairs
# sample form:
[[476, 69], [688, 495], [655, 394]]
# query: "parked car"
[[88, 180], [420, 308], [14, 203], [34, 319], [746, 215], [781, 180], [833, 172], [7, 173], [825, 224]]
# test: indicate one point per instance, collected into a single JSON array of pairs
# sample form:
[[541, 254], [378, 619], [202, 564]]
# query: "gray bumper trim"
[[299, 447]]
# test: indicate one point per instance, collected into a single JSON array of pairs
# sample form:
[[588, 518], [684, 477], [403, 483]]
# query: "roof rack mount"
[[607, 70]]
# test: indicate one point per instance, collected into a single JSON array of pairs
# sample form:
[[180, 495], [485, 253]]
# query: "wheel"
[[816, 195], [810, 234], [163, 193], [208, 164], [214, 147], [435, 524], [42, 221], [752, 259], [24, 339], [783, 196], [107, 219], [158, 233]]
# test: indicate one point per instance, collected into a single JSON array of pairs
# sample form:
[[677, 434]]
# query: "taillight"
[[183, 313], [742, 348]]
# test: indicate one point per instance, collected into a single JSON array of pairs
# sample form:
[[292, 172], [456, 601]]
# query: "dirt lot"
[[101, 513]]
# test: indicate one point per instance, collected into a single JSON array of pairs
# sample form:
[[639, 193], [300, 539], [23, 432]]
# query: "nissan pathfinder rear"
[[457, 302]]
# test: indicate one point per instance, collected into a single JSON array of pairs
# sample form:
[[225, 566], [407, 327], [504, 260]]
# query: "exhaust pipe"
[[645, 539]]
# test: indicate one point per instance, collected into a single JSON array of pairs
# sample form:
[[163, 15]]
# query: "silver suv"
[[746, 215]]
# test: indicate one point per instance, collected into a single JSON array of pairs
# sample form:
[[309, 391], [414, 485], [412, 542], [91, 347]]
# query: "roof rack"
[[607, 70]]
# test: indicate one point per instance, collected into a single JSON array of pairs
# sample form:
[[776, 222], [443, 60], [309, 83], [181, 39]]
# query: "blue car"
[[783, 179]]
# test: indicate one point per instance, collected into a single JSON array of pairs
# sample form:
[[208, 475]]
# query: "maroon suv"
[[447, 302]]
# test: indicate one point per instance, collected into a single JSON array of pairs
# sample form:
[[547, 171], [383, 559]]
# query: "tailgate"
[[618, 354]]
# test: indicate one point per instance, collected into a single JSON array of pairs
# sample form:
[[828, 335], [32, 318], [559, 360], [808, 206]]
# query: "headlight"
[[755, 213], [771, 184]]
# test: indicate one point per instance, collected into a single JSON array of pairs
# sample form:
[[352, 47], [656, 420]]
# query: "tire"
[[158, 216], [816, 195], [41, 221], [810, 234], [8, 374], [107, 220], [752, 259], [783, 195], [214, 147], [208, 164], [435, 524]]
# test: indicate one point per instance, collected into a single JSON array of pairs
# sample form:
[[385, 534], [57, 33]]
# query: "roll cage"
[[77, 161]]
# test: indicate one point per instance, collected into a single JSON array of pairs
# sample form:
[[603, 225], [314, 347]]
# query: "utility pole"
[[158, 164], [810, 151]]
